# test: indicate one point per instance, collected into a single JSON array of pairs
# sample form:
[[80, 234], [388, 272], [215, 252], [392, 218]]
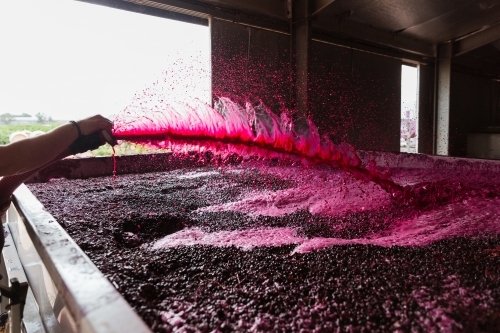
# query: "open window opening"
[[66, 60], [409, 109]]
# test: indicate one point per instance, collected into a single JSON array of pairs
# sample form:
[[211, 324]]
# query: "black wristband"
[[86, 142], [77, 127]]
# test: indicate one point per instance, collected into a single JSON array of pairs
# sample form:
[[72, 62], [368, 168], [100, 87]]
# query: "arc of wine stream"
[[230, 127]]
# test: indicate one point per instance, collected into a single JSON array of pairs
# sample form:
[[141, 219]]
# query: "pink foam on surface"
[[326, 192], [457, 219], [246, 239], [330, 192]]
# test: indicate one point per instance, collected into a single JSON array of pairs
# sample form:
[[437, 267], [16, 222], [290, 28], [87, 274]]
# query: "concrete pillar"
[[300, 38], [442, 106]]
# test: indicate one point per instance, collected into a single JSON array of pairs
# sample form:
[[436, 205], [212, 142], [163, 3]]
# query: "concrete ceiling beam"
[[319, 5], [475, 40], [343, 26]]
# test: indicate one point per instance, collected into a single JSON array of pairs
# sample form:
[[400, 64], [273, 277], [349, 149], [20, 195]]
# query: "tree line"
[[41, 118]]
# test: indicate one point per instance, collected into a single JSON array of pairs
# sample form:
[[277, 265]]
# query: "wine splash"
[[250, 130], [114, 164]]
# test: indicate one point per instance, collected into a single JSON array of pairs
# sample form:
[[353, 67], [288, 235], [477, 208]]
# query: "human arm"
[[9, 183], [25, 155]]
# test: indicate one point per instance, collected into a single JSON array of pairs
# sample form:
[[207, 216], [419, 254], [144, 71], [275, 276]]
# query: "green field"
[[6, 130], [124, 148]]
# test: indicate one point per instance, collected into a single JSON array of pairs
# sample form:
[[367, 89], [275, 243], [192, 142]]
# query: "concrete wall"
[[471, 109], [250, 63], [426, 109], [495, 119], [354, 96]]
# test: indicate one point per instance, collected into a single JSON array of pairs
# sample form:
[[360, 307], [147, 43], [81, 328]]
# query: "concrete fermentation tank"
[[67, 292]]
